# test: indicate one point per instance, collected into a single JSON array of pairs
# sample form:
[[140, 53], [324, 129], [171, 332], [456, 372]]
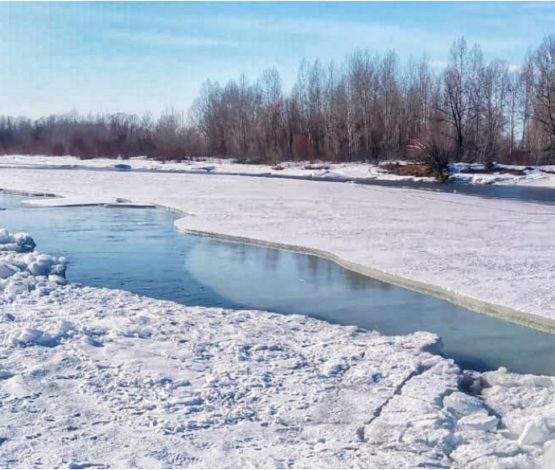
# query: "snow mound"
[[23, 270], [33, 336], [327, 174], [18, 242]]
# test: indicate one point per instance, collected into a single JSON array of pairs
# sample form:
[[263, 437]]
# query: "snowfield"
[[98, 378]]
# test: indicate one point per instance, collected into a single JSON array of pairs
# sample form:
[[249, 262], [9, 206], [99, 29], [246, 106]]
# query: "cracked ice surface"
[[97, 378]]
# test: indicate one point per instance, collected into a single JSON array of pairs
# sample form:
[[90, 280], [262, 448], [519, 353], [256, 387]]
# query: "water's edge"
[[495, 310], [487, 308]]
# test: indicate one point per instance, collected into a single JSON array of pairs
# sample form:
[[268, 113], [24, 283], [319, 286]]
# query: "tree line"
[[368, 108]]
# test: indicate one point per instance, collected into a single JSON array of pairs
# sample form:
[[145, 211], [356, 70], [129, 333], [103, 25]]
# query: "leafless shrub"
[[432, 154]]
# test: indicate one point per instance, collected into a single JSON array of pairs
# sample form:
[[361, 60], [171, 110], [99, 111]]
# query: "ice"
[[7, 270], [479, 421], [548, 459], [43, 265], [534, 433], [4, 374], [462, 404], [207, 168], [18, 242], [22, 270], [328, 174]]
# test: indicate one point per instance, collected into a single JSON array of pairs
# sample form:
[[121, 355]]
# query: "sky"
[[103, 57]]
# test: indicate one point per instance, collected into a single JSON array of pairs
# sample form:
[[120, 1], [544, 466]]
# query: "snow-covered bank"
[[540, 176], [103, 378], [543, 176], [499, 253], [332, 171]]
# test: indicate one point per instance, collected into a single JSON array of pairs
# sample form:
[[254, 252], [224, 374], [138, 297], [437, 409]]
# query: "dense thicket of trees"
[[370, 107], [101, 136]]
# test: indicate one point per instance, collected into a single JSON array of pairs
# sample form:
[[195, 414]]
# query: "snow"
[[104, 378], [541, 176], [352, 171], [18, 242], [22, 270]]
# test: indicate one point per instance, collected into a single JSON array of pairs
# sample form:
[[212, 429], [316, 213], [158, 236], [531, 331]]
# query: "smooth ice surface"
[[110, 247]]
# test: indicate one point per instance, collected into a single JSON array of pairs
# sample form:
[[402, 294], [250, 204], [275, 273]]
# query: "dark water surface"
[[523, 193], [139, 250]]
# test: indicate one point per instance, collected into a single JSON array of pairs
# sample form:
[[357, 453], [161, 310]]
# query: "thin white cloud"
[[411, 37], [164, 39], [378, 36]]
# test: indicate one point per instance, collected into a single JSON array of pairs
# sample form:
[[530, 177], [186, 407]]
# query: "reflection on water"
[[138, 250]]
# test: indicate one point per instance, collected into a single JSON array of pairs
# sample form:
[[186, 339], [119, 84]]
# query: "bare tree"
[[455, 107], [544, 112]]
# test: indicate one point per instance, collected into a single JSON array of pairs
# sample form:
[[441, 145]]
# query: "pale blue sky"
[[133, 57]]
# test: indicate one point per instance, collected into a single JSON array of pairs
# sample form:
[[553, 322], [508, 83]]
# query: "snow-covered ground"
[[541, 176], [498, 252], [97, 378], [211, 165]]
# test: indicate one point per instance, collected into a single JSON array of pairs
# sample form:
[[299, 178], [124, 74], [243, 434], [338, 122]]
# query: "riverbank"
[[540, 176], [104, 378]]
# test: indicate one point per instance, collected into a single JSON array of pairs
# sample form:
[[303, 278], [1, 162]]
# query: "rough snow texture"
[[537, 176], [497, 251], [17, 242], [23, 271], [98, 378]]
